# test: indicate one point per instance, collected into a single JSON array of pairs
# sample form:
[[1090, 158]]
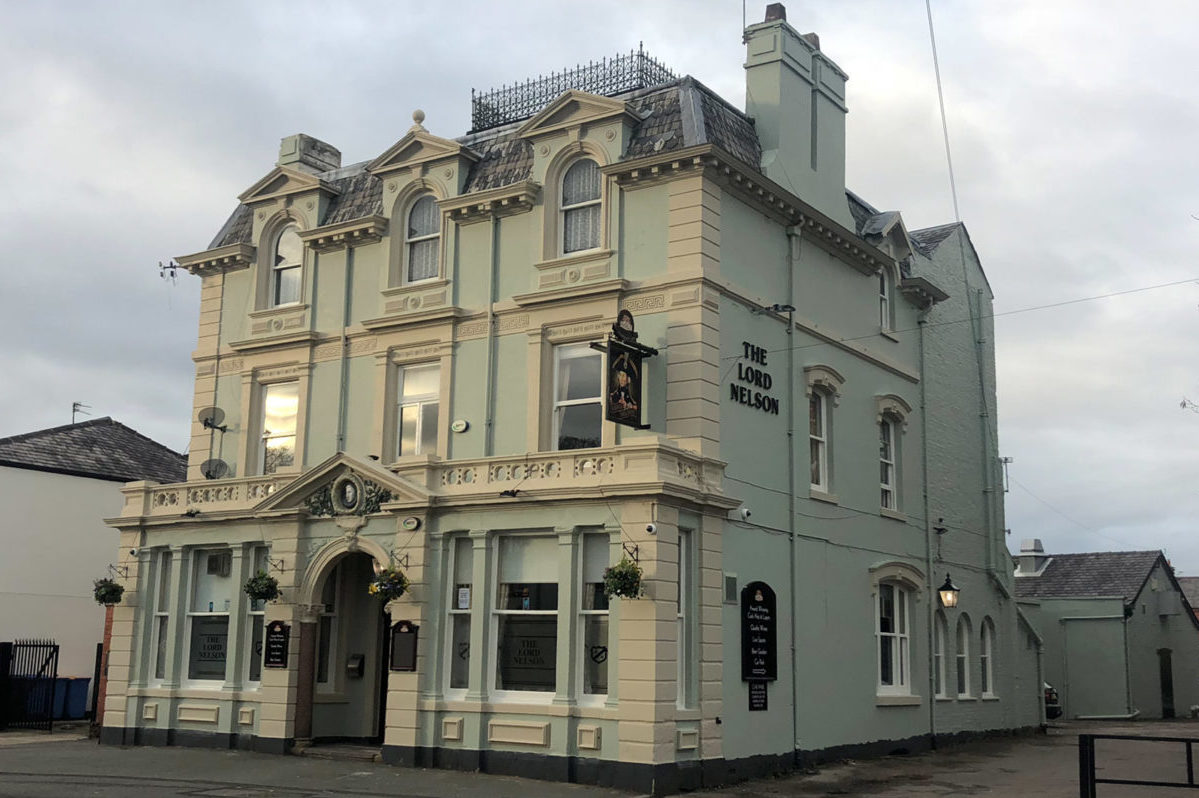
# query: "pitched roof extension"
[[1190, 588], [99, 448], [1092, 574]]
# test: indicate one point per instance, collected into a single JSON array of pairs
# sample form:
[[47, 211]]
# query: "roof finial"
[[418, 116]]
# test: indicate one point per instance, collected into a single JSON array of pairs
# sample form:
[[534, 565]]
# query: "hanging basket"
[[262, 587], [108, 591], [623, 580], [388, 584]]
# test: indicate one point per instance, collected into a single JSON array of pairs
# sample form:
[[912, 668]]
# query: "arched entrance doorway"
[[348, 670]]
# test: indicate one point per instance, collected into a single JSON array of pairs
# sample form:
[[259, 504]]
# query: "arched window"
[[422, 239], [986, 653], [963, 656], [894, 638], [940, 638], [884, 301], [886, 464], [287, 267], [581, 206]]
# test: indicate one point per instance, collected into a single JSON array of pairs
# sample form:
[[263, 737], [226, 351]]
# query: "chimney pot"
[[812, 39], [776, 11]]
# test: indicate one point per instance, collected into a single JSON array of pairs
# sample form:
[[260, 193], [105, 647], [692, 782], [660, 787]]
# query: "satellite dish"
[[214, 469], [212, 418]]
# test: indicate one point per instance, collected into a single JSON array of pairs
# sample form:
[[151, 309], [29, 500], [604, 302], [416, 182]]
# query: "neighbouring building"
[[397, 367], [1190, 589], [1120, 637], [60, 483]]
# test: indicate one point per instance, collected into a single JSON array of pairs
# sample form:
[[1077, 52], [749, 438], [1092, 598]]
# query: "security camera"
[[745, 513], [133, 552], [651, 528]]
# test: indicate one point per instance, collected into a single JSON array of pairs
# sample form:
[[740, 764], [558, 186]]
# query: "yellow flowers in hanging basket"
[[388, 584]]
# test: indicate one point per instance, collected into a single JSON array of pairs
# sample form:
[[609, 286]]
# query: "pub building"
[[635, 323]]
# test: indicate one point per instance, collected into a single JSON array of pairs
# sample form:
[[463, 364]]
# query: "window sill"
[[276, 310], [897, 700], [944, 698], [967, 698], [584, 256], [821, 496], [889, 335], [990, 697], [598, 711], [407, 288], [687, 714], [894, 515]]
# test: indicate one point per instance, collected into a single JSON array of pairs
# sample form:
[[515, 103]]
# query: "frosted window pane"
[[423, 219], [582, 228], [581, 183], [528, 559], [422, 260], [421, 381], [428, 428], [408, 420], [595, 558]]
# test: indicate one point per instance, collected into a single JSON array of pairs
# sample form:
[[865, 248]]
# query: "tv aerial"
[[212, 418], [214, 469]]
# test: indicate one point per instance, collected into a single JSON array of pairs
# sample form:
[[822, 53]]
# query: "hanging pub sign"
[[623, 404], [759, 633], [277, 636], [403, 645]]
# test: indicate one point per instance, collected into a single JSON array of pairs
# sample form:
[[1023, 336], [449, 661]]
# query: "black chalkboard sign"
[[757, 697], [277, 635], [759, 633], [403, 646]]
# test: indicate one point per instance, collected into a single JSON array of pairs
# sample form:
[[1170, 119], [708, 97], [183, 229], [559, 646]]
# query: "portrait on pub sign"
[[623, 403]]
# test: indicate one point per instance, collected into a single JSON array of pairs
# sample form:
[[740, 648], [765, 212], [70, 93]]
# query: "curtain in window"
[[580, 206], [423, 238]]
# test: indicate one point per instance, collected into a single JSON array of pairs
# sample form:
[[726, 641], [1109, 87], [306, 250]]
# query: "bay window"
[[213, 589]]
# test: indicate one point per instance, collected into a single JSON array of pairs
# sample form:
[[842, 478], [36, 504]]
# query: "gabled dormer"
[[887, 232], [422, 154], [575, 111]]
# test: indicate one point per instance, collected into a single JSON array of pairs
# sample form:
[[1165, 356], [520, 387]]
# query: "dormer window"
[[581, 207], [422, 240], [287, 267]]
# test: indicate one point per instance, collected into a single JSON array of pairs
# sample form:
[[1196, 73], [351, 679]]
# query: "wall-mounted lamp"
[[948, 593]]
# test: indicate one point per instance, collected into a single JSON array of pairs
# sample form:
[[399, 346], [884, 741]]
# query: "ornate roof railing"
[[607, 77]]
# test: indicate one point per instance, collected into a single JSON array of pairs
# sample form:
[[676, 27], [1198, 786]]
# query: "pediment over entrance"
[[345, 486]]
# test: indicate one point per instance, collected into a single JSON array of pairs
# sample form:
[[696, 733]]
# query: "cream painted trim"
[[194, 713], [898, 700], [686, 739], [595, 712], [821, 496], [908, 576], [551, 218], [451, 729], [891, 405], [149, 711], [826, 378], [515, 732], [589, 738], [245, 716]]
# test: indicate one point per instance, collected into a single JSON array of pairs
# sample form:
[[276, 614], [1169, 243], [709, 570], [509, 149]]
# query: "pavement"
[[1042, 765]]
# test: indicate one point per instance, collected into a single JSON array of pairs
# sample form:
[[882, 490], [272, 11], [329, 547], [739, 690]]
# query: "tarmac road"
[[1044, 766]]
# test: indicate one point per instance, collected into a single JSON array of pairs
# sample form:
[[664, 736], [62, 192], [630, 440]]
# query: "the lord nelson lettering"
[[750, 378]]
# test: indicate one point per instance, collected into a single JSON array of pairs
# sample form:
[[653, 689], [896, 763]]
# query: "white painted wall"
[[54, 544]]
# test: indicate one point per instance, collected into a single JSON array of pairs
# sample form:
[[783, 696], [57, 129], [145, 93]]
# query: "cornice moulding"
[[582, 291], [227, 258], [294, 182], [478, 206], [356, 232], [267, 342], [921, 292]]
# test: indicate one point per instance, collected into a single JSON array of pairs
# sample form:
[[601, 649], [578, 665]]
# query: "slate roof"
[[676, 115], [1109, 573], [1190, 588], [99, 448], [930, 238]]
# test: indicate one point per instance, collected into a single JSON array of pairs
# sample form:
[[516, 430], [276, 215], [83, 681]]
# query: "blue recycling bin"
[[76, 697]]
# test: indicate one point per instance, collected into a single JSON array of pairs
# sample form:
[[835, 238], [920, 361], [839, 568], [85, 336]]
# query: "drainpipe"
[[930, 579], [345, 361], [794, 241], [216, 369], [489, 390]]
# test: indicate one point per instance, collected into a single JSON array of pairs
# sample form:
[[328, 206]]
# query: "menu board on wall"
[[277, 637], [759, 633]]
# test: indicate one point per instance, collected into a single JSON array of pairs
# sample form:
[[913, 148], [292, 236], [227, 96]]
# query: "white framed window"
[[892, 632], [525, 618], [279, 408], [287, 267], [212, 593], [578, 392], [940, 639], [986, 651], [884, 301], [255, 620], [327, 632], [963, 656], [886, 464], [581, 207], [162, 614], [419, 393], [685, 621], [593, 614], [818, 439], [460, 602], [422, 240]]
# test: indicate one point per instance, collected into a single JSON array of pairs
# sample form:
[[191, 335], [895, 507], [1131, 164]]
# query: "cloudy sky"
[[128, 128]]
